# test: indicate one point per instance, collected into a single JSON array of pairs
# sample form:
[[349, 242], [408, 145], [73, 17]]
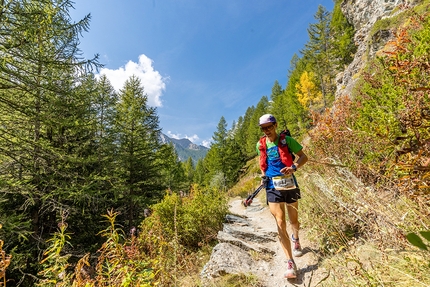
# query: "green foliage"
[[46, 129], [381, 135], [342, 40], [241, 131], [137, 172], [417, 241], [69, 142], [4, 262], [385, 126], [224, 159], [194, 220], [172, 173], [254, 132], [119, 262], [317, 54], [55, 264], [180, 226], [293, 115]]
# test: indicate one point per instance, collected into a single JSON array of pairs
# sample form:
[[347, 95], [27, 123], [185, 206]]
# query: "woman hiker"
[[282, 192]]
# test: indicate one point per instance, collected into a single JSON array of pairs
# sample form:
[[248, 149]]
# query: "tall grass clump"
[[367, 197]]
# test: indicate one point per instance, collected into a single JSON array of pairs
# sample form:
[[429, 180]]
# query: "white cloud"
[[206, 143], [193, 138], [173, 136], [153, 83]]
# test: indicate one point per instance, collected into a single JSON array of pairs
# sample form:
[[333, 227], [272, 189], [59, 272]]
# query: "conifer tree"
[[45, 142], [189, 170], [276, 107], [234, 161], [137, 170], [199, 173], [294, 116], [317, 52], [241, 132], [215, 158], [171, 169], [254, 132], [342, 38]]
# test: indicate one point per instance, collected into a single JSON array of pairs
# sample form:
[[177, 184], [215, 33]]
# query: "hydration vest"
[[284, 152]]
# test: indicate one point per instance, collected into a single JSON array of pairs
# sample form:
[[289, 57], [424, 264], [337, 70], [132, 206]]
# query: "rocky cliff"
[[363, 14]]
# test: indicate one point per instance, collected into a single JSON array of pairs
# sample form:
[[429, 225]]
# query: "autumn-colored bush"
[[382, 132], [367, 204]]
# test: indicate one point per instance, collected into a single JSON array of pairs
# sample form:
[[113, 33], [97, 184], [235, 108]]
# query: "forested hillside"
[[72, 149]]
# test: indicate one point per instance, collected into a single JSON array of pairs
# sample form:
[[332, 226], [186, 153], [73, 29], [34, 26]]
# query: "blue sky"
[[198, 60]]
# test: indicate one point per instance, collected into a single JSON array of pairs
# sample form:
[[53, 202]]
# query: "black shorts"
[[288, 196]]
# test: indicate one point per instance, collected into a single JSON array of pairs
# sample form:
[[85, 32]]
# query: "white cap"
[[267, 118]]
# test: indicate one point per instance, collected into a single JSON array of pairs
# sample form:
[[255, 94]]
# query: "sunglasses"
[[265, 129]]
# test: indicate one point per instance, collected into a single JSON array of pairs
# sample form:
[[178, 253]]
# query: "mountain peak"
[[185, 148]]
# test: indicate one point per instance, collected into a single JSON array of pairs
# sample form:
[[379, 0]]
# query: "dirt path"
[[260, 218]]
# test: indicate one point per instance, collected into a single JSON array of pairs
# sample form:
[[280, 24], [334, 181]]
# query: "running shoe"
[[291, 270], [297, 249]]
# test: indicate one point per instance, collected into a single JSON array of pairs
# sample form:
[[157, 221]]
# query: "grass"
[[361, 231]]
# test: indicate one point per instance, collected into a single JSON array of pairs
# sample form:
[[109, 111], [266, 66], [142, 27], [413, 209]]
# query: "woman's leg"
[[293, 215], [278, 211]]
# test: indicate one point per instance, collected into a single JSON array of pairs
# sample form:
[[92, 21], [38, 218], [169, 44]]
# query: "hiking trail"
[[248, 244]]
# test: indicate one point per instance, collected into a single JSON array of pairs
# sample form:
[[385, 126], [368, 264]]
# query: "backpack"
[[288, 133]]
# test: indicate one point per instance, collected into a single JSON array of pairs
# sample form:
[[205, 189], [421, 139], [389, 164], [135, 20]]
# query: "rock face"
[[363, 14]]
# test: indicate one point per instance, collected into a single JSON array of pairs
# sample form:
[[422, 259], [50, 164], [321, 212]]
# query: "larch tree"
[[308, 93]]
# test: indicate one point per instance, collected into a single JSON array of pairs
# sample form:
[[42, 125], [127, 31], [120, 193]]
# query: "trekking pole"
[[247, 202]]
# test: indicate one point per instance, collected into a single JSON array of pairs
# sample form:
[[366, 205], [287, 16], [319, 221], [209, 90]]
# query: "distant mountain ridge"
[[185, 148]]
